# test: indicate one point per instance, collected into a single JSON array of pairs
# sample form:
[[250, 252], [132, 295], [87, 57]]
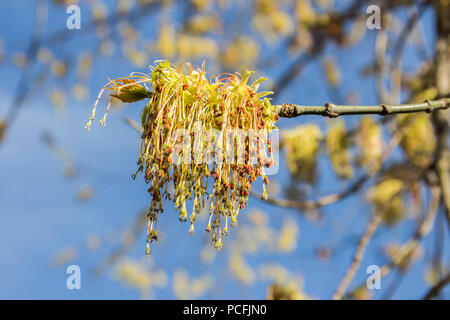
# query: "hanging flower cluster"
[[196, 131]]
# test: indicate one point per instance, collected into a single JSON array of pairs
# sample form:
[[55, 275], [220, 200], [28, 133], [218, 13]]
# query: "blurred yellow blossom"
[[387, 199], [80, 91], [44, 55], [337, 146], [419, 141], [203, 23], [185, 288], [240, 269], [302, 145], [331, 71], [136, 275], [242, 52], [65, 256], [191, 46], [167, 42], [93, 242], [393, 251], [288, 236], [58, 98], [370, 143], [58, 68], [85, 62]]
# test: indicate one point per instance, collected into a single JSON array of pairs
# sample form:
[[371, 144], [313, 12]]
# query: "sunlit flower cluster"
[[178, 166]]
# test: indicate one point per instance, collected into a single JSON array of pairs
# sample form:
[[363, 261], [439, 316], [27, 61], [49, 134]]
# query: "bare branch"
[[357, 258], [289, 110], [422, 230], [317, 203]]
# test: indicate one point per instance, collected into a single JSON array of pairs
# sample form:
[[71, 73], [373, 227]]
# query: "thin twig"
[[409, 246], [425, 227], [357, 258], [316, 203], [289, 110], [122, 249]]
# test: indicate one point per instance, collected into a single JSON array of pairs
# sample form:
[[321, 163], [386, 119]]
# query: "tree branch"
[[354, 187], [133, 124], [357, 257], [409, 246], [437, 288], [316, 203], [442, 69], [443, 159], [290, 110]]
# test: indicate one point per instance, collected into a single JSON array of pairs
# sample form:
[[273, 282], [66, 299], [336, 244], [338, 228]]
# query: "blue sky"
[[40, 214]]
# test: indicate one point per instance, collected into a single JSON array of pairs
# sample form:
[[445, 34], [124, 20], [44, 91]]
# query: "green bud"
[[129, 91]]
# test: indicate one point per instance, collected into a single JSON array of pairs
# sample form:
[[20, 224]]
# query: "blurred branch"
[[138, 13], [132, 233], [133, 124], [34, 44], [289, 110], [394, 285], [352, 188], [441, 126], [409, 246], [443, 159], [319, 44], [359, 253], [406, 32], [439, 241], [292, 71], [58, 37], [317, 203], [322, 37], [437, 288], [424, 228]]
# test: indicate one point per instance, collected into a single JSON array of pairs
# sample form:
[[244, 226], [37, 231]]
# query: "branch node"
[[429, 106], [288, 110], [386, 109], [331, 110]]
